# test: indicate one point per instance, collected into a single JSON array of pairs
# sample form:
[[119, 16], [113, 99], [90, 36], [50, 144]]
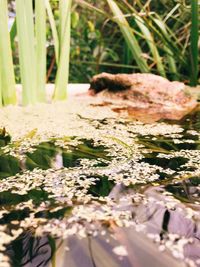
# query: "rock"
[[143, 96]]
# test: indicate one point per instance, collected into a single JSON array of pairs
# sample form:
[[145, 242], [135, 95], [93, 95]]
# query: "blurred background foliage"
[[97, 42]]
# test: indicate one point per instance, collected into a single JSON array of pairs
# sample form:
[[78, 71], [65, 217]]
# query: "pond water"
[[123, 194]]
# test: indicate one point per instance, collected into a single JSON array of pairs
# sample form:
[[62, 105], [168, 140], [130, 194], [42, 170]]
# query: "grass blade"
[[40, 34], [152, 46], [63, 67], [6, 64], [194, 36], [129, 36], [169, 52], [27, 59], [53, 29]]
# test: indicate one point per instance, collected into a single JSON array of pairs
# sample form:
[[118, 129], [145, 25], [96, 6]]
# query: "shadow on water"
[[44, 156], [29, 250]]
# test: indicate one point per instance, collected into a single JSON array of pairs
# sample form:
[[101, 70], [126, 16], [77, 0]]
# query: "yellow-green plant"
[[30, 29], [7, 81], [61, 39], [64, 50], [40, 34], [27, 53]]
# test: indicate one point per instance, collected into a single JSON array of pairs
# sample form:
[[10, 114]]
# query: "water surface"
[[130, 200]]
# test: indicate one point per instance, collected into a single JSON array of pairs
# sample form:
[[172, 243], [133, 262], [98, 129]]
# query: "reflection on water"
[[28, 250], [52, 190]]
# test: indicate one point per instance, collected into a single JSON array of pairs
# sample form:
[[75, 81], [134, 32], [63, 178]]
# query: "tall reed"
[[194, 37], [27, 55], [40, 36], [7, 81], [64, 40], [53, 29], [30, 28]]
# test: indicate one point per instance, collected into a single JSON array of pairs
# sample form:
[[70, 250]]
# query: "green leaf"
[[128, 36], [152, 45], [13, 32], [169, 52], [75, 19]]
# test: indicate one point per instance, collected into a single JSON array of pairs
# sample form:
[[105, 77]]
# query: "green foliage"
[[130, 38], [96, 45], [145, 36], [162, 30]]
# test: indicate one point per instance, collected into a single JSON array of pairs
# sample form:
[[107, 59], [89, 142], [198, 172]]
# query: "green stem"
[[53, 29], [7, 83], [40, 34], [27, 56], [60, 92], [194, 36]]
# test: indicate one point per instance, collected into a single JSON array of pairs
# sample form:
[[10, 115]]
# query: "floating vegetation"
[[87, 174]]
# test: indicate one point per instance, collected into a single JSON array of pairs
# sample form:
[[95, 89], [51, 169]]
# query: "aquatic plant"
[[64, 42], [194, 37], [7, 81], [89, 175], [27, 56], [31, 39]]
